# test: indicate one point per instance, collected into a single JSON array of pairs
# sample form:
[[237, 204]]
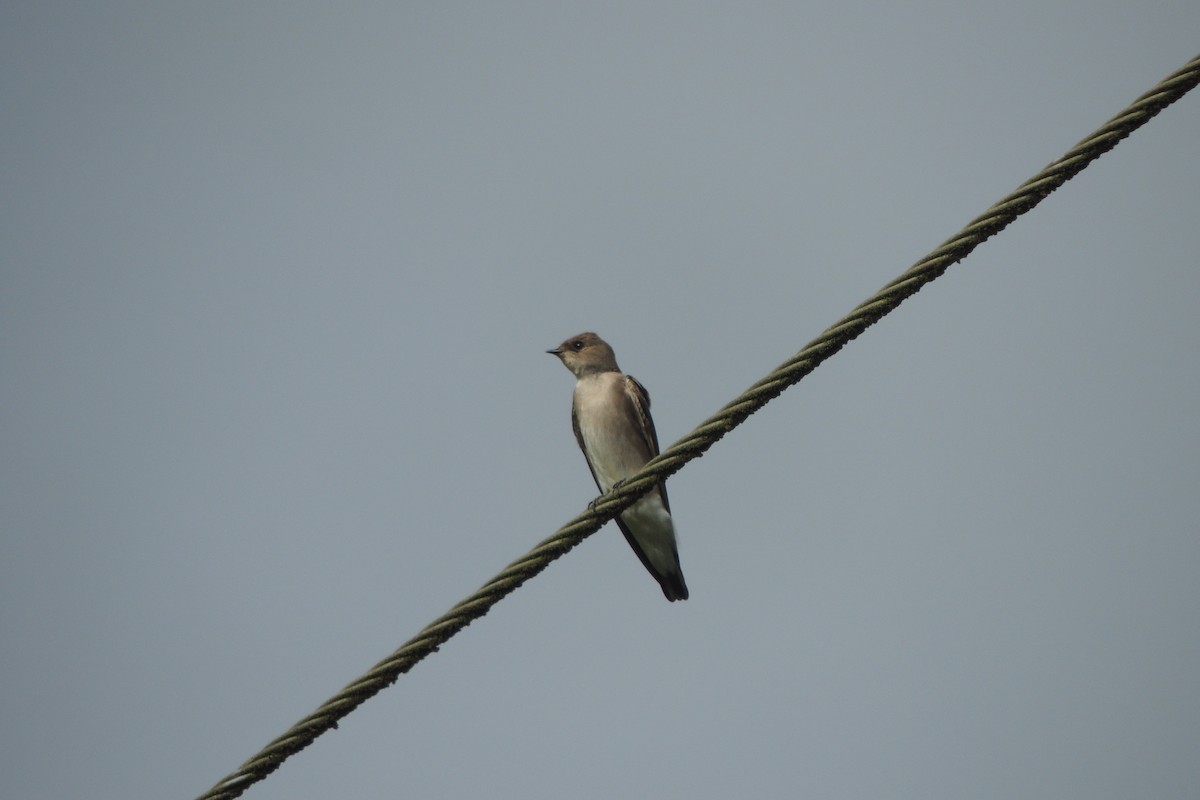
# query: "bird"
[[610, 414]]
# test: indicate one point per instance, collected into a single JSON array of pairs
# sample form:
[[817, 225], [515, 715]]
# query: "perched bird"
[[610, 413]]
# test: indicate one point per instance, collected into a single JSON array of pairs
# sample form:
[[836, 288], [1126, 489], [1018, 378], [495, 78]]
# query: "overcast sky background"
[[277, 279]]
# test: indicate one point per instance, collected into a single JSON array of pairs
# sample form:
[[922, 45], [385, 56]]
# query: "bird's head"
[[586, 354]]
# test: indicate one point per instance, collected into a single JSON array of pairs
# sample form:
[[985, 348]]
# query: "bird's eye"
[[577, 345]]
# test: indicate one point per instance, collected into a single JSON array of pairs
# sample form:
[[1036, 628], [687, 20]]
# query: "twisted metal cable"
[[837, 336]]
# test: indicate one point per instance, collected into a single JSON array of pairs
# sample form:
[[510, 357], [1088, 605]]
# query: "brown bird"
[[610, 414]]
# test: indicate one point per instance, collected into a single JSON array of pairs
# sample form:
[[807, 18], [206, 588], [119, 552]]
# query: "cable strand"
[[695, 444]]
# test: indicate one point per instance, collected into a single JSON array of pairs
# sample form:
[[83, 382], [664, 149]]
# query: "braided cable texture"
[[704, 436]]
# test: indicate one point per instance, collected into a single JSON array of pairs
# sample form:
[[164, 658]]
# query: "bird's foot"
[[592, 505]]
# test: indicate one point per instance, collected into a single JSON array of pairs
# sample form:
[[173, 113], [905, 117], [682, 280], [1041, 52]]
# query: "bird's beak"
[[555, 352]]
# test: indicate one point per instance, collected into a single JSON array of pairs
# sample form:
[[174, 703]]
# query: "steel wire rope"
[[694, 444]]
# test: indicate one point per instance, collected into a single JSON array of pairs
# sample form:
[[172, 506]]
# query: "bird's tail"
[[673, 586]]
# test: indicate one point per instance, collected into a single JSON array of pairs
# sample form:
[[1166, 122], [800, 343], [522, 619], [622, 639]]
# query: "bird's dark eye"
[[577, 345]]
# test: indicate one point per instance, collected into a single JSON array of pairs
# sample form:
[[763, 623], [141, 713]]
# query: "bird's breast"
[[612, 443]]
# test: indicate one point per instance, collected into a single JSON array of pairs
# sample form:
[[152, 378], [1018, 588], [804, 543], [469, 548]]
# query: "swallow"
[[610, 414]]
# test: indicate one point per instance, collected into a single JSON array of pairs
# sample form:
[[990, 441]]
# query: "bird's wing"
[[639, 401]]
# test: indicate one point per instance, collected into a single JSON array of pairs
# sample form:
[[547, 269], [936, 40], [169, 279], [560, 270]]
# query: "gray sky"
[[276, 283]]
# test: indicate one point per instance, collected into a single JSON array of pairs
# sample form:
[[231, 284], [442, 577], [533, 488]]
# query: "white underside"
[[652, 526], [615, 454]]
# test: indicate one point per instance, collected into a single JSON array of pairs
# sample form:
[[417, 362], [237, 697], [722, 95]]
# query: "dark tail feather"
[[673, 586]]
